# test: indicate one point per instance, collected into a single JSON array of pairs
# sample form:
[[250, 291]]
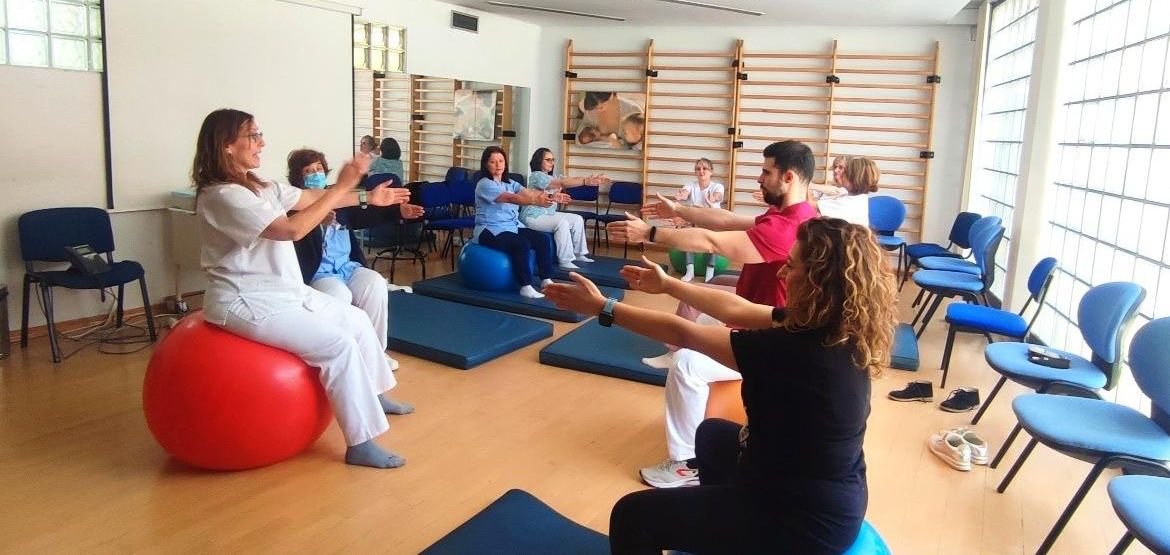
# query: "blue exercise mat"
[[904, 351], [450, 287], [603, 271], [613, 351], [519, 524], [456, 334]]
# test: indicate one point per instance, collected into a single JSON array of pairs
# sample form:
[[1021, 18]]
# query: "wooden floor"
[[79, 471]]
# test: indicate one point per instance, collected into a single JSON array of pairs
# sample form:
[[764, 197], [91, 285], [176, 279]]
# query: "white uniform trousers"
[[687, 387], [339, 341], [365, 290], [568, 234]]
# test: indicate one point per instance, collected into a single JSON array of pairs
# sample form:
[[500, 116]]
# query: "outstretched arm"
[[716, 219], [584, 297], [735, 245], [729, 308]]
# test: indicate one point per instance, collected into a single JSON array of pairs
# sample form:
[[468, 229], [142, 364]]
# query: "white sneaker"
[[530, 292], [393, 363], [570, 266], [688, 276], [951, 448], [977, 445], [546, 282], [583, 258], [663, 361], [392, 287], [670, 474], [710, 274]]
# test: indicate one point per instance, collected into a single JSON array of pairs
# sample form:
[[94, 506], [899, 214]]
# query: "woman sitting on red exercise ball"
[[256, 289]]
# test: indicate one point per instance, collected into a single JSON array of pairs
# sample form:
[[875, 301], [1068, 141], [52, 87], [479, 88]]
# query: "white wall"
[[951, 112]]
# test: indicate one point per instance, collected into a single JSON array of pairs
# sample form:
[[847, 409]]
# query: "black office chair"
[[46, 235]]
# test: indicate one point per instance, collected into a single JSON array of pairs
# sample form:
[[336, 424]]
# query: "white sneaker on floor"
[[670, 474], [546, 282], [710, 274], [392, 287], [951, 448], [583, 258], [569, 266], [530, 292], [663, 361], [688, 276], [977, 445], [393, 363]]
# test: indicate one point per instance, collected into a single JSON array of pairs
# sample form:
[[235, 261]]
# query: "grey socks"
[[390, 406], [373, 455]]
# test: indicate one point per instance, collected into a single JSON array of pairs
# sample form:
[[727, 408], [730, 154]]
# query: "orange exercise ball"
[[218, 401]]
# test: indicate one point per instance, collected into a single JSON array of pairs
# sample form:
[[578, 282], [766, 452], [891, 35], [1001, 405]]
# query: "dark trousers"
[[516, 246]]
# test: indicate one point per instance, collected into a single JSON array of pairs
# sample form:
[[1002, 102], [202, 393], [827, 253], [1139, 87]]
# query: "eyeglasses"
[[550, 159], [255, 136]]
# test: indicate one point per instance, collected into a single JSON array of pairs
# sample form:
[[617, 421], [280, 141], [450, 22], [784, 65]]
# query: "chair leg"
[[47, 295], [1007, 443], [118, 318], [1007, 480], [929, 314], [146, 308], [921, 308], [1072, 506], [946, 359], [1123, 543], [987, 403], [24, 312], [918, 298]]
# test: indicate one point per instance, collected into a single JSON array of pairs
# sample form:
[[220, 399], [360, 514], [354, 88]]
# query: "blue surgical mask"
[[315, 181]]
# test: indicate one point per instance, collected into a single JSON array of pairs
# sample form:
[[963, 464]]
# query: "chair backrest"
[[961, 229], [1149, 358], [456, 174], [980, 226], [624, 192], [1041, 278], [371, 181], [518, 179], [1104, 313], [886, 214], [436, 200], [44, 234], [583, 194]]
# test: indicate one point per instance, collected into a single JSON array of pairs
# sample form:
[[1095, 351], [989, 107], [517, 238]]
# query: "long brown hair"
[[850, 289], [212, 165]]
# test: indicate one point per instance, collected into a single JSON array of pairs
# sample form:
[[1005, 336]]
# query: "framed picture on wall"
[[475, 115], [607, 119]]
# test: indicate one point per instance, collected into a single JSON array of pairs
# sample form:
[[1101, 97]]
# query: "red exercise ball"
[[219, 401]]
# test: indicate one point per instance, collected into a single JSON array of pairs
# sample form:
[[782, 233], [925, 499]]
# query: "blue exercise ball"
[[868, 542], [487, 269]]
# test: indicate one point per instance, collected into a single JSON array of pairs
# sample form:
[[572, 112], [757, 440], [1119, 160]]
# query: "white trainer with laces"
[[977, 445], [670, 474], [951, 448]]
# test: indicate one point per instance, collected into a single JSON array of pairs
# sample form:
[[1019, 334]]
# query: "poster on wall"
[[610, 119], [475, 115]]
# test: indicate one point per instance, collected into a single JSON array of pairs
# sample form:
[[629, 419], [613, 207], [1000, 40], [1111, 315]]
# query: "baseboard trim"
[[37, 332]]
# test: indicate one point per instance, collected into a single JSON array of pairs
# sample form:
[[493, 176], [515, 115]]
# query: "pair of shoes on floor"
[[959, 448], [670, 474], [962, 399]]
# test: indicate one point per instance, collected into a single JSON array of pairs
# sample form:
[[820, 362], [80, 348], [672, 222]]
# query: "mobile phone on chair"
[[1046, 357]]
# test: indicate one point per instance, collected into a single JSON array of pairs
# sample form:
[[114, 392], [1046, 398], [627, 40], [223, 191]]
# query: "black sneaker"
[[961, 400], [920, 390]]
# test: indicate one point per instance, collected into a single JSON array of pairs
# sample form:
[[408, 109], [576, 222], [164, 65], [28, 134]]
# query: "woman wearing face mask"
[[331, 257]]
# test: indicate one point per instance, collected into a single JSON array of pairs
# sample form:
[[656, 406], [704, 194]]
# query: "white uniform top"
[[851, 208], [698, 196], [250, 276]]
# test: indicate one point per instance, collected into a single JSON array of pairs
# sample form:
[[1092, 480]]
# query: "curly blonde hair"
[[850, 289]]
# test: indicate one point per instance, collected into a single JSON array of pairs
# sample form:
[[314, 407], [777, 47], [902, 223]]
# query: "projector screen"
[[169, 63]]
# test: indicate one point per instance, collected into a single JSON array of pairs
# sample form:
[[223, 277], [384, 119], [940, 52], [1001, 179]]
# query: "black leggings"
[[714, 517], [516, 246]]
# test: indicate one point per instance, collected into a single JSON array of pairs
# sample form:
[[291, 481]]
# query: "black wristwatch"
[[653, 232], [606, 316]]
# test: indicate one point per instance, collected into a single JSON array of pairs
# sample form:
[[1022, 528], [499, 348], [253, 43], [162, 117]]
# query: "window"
[[64, 34], [379, 47], [1005, 99], [1110, 203]]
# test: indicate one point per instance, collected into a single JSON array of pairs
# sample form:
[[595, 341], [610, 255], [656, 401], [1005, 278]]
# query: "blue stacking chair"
[[441, 216], [461, 183], [973, 318], [620, 192], [1105, 434], [1140, 502], [1102, 316], [586, 195], [886, 215], [960, 237], [940, 284], [44, 237], [957, 263]]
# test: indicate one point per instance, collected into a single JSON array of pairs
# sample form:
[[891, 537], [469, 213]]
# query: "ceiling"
[[777, 12]]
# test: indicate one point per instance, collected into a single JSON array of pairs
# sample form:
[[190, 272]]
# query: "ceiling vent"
[[465, 22]]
